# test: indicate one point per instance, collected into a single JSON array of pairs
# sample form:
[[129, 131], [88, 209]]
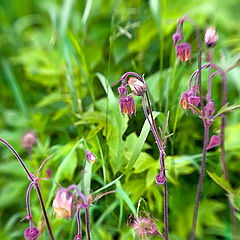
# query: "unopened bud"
[[210, 37], [31, 233], [160, 178], [63, 203], [90, 157], [137, 86]]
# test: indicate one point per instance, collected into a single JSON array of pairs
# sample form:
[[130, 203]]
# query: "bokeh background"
[[58, 60]]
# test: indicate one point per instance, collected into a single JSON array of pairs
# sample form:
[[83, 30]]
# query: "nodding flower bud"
[[63, 203], [210, 37], [29, 139], [183, 51], [90, 157], [31, 233], [127, 105], [138, 87], [48, 173]]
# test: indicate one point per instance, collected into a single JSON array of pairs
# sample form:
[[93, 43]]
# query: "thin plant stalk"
[[199, 190], [35, 182]]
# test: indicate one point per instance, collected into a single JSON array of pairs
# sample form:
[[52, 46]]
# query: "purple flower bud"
[[138, 87], [127, 105], [214, 141], [160, 178], [48, 173], [176, 38], [210, 37], [121, 90], [31, 233], [194, 100], [183, 51], [90, 157]]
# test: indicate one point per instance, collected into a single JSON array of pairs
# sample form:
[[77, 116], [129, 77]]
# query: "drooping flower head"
[[183, 51], [144, 226], [127, 105], [63, 203], [176, 38], [138, 87], [210, 37], [209, 108], [31, 233], [189, 97]]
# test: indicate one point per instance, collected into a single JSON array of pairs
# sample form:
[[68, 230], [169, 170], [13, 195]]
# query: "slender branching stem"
[[18, 157], [28, 204], [200, 182], [198, 36], [210, 74], [44, 210], [161, 150], [79, 221]]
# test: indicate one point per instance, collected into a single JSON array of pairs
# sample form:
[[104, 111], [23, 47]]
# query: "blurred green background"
[[58, 60]]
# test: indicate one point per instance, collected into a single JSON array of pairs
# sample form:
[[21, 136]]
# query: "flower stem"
[[28, 204], [44, 211], [200, 182], [18, 157], [79, 221]]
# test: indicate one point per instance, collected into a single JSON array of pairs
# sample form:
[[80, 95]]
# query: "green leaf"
[[235, 199], [221, 181], [126, 198], [138, 147]]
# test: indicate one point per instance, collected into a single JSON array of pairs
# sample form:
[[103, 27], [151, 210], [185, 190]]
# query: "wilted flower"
[[31, 233], [138, 87], [90, 157], [214, 141], [189, 97], [63, 203], [183, 51], [210, 37], [127, 105], [160, 178], [144, 226], [29, 139]]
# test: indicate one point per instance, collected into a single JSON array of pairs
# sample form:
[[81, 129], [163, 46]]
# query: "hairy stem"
[[79, 221], [200, 182], [44, 211]]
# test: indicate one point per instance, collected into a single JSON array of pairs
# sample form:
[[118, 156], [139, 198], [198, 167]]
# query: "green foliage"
[[59, 60]]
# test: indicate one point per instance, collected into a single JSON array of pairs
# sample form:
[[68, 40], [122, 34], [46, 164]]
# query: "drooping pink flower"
[[127, 105], [210, 37], [138, 87], [29, 139], [183, 51], [214, 141], [189, 97], [209, 109], [63, 203]]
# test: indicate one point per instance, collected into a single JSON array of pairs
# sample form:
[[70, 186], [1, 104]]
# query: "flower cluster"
[[137, 85], [183, 49]]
